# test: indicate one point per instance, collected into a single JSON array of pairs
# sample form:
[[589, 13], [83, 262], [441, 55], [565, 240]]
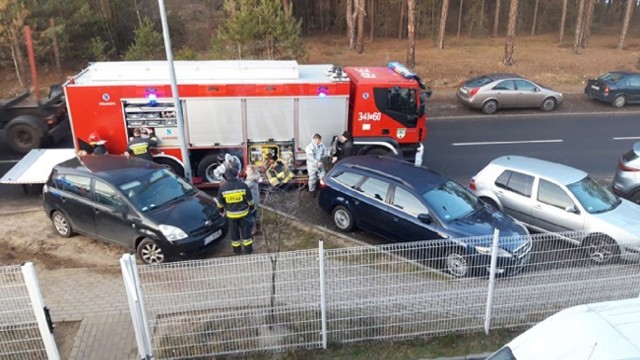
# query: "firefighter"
[[316, 153], [341, 147], [253, 179], [236, 202], [141, 146], [226, 161], [98, 147]]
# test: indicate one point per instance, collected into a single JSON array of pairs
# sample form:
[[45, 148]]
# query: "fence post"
[[136, 306], [492, 280], [44, 322], [323, 303]]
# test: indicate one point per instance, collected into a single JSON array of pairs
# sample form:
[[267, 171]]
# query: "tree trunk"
[[443, 23], [371, 22], [482, 16], [509, 43], [411, 33], [18, 56], [535, 18], [579, 19], [562, 21], [496, 20], [625, 24], [403, 15], [351, 26], [460, 18], [586, 24], [56, 49], [360, 35]]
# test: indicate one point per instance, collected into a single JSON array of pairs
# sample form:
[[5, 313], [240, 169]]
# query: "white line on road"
[[8, 161], [627, 138], [508, 142]]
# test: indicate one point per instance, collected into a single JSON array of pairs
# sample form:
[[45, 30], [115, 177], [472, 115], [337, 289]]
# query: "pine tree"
[[147, 45]]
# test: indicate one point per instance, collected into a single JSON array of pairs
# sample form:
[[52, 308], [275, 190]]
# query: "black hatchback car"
[[403, 202], [134, 203], [617, 88]]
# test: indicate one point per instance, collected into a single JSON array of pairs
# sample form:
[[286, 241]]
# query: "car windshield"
[[610, 77], [451, 201], [593, 196], [155, 190], [478, 81]]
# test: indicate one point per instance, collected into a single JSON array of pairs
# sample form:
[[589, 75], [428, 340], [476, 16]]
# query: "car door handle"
[[96, 211], [537, 207], [499, 193], [357, 202]]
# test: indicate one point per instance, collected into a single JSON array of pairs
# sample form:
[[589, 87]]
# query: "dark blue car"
[[617, 88], [403, 202]]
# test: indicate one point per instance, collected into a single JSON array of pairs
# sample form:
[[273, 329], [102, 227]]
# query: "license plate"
[[212, 237], [595, 87]]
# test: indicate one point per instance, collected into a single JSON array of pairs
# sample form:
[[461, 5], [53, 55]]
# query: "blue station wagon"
[[401, 202]]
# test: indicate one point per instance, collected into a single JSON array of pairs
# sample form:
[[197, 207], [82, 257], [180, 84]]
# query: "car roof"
[[547, 169], [607, 330], [500, 76], [114, 169], [419, 178]]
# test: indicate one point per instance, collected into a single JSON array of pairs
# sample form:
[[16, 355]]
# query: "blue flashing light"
[[323, 91], [153, 99], [401, 69]]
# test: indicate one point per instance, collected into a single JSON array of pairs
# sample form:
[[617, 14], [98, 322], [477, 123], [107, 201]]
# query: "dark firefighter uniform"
[[234, 198], [141, 147]]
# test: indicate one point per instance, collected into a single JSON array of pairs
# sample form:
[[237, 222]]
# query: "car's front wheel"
[[149, 252], [619, 101], [61, 224], [342, 218], [548, 104], [490, 107], [456, 263], [601, 249]]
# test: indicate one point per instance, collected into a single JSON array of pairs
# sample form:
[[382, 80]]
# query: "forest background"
[[559, 43]]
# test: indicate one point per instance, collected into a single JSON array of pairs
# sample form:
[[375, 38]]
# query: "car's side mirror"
[[425, 218], [571, 209]]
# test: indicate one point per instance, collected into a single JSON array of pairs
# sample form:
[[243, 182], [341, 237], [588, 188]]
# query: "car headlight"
[[486, 250], [172, 233]]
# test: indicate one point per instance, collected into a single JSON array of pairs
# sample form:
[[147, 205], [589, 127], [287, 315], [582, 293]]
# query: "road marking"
[[537, 115], [508, 142], [627, 138], [8, 161]]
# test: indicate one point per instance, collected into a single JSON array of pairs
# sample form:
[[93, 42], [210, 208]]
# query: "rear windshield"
[[610, 77], [629, 156], [478, 81]]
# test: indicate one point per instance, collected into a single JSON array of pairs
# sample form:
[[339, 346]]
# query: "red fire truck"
[[249, 109]]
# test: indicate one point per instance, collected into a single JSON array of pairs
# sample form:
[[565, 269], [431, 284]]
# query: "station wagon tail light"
[[472, 184], [473, 91], [606, 90], [624, 167]]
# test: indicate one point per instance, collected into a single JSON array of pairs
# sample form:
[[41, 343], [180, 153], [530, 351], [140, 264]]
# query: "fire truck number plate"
[[369, 116]]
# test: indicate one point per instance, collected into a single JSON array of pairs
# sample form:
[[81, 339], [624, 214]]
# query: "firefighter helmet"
[[94, 138]]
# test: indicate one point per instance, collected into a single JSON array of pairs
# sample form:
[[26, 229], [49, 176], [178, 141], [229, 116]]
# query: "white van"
[[599, 331]]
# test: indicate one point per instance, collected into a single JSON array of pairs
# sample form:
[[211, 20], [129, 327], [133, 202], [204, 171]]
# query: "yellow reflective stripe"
[[247, 242], [235, 243], [237, 214]]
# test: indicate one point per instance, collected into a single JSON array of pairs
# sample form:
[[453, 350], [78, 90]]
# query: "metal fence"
[[305, 299], [25, 332]]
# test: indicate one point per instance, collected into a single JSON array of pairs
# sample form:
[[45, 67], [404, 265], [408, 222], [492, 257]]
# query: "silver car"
[[626, 182], [498, 91], [552, 197]]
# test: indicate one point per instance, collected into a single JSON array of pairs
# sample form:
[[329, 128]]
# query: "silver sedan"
[[498, 91]]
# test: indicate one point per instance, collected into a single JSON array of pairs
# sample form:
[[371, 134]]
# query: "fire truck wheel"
[[206, 167], [23, 137], [170, 164]]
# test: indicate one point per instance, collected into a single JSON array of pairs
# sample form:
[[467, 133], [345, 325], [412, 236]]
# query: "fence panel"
[[233, 305], [20, 334]]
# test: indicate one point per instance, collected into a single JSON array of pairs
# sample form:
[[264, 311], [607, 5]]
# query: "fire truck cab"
[[251, 109]]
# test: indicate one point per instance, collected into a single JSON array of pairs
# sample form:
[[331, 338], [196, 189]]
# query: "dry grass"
[[539, 58]]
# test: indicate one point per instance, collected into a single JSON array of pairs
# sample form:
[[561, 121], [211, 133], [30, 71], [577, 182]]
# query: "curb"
[[466, 357], [21, 211]]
